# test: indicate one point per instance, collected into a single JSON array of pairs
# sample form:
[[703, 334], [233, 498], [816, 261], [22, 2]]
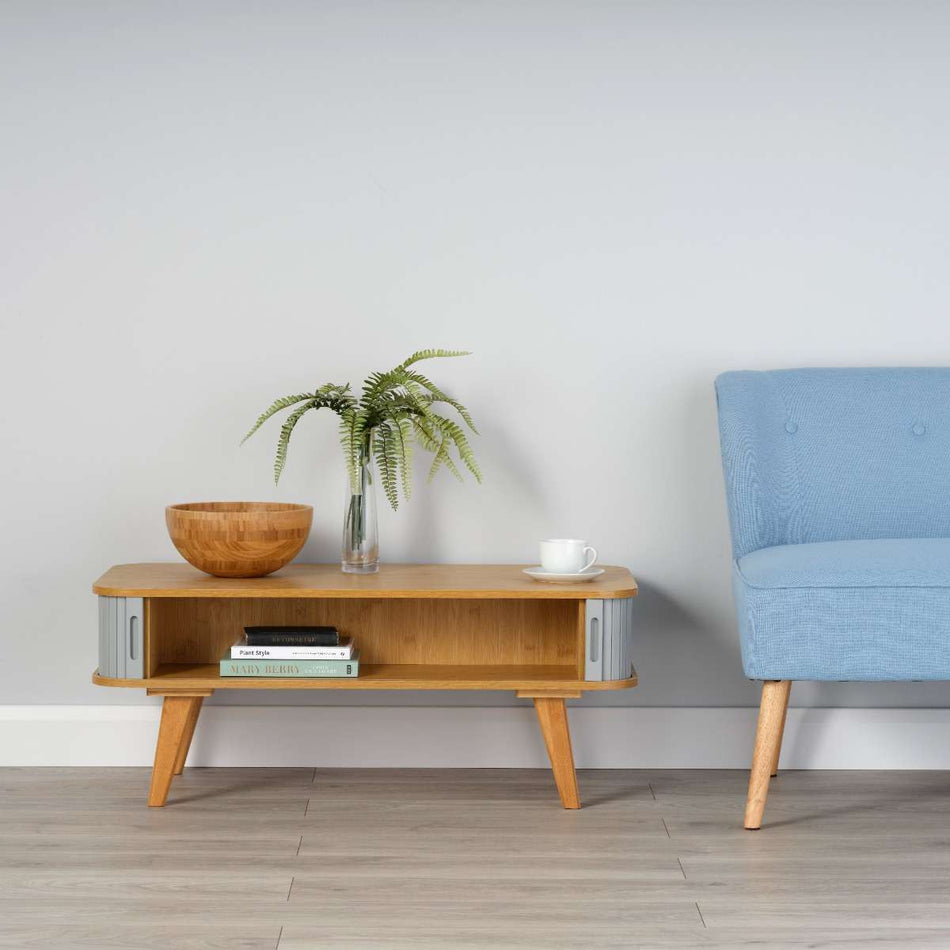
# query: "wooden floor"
[[297, 858]]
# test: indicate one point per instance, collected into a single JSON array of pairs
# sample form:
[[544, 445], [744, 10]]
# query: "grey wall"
[[206, 205]]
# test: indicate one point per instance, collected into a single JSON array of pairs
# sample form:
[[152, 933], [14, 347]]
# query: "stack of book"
[[311, 652]]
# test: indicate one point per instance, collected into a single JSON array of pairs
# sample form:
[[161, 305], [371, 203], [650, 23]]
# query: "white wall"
[[207, 205]]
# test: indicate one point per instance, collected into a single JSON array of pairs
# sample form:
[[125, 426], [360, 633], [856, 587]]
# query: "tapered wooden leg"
[[552, 716], [176, 711], [768, 739], [781, 732], [188, 735]]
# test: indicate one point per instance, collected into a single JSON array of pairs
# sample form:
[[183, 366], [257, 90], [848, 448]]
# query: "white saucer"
[[555, 577]]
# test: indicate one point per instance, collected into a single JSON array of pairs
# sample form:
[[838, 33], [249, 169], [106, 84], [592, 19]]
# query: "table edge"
[[585, 591]]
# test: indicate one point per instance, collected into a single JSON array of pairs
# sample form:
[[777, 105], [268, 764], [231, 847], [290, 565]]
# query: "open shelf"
[[403, 643], [184, 676]]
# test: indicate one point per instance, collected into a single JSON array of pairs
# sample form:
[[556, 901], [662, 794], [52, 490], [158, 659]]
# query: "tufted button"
[[919, 429], [791, 427]]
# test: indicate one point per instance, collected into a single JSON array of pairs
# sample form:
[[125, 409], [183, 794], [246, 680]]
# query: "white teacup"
[[567, 555]]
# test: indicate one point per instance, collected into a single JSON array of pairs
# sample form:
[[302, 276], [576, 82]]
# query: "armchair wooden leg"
[[781, 731], [185, 745], [768, 741]]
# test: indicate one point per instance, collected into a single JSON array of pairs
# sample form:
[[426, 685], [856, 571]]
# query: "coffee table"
[[164, 628]]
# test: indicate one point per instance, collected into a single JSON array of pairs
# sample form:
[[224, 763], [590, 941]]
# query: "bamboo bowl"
[[238, 538]]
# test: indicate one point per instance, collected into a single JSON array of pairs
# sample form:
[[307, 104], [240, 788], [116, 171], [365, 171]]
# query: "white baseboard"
[[475, 737]]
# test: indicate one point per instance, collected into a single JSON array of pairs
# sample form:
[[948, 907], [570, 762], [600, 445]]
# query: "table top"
[[450, 581]]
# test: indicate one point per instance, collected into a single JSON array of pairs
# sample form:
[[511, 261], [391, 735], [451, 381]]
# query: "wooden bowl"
[[238, 538]]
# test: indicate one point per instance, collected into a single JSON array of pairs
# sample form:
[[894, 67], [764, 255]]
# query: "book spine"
[[242, 652], [291, 668], [292, 639]]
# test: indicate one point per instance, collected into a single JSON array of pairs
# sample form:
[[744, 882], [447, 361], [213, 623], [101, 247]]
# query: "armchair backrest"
[[835, 454]]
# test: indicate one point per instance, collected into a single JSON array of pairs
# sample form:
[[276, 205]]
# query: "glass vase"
[[360, 530]]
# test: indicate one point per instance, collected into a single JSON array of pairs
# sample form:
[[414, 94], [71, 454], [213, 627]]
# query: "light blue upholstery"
[[838, 486], [846, 610], [890, 562]]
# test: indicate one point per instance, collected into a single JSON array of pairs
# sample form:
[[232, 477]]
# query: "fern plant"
[[394, 411]]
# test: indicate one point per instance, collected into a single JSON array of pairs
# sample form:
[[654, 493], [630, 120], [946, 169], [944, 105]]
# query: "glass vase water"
[[360, 530]]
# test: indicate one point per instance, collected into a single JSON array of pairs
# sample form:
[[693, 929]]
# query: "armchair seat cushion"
[[846, 610]]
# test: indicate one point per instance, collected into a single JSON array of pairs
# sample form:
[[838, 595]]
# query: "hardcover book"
[[244, 651], [288, 636], [289, 668]]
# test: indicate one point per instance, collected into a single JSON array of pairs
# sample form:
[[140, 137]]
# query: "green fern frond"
[[456, 434], [417, 398], [427, 439], [424, 435], [431, 355], [339, 392], [340, 388], [393, 412], [450, 465], [283, 441], [440, 396], [404, 436], [276, 406], [387, 460], [439, 455], [442, 457], [350, 437], [399, 422], [378, 384], [433, 440]]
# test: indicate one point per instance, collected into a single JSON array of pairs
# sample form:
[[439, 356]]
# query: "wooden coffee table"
[[164, 627]]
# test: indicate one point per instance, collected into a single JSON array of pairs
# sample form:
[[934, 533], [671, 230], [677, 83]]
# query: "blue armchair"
[[838, 488]]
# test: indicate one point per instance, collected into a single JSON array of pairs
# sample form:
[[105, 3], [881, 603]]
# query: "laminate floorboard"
[[307, 859]]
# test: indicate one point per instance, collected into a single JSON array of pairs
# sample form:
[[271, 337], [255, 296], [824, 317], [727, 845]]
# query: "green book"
[[304, 668]]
